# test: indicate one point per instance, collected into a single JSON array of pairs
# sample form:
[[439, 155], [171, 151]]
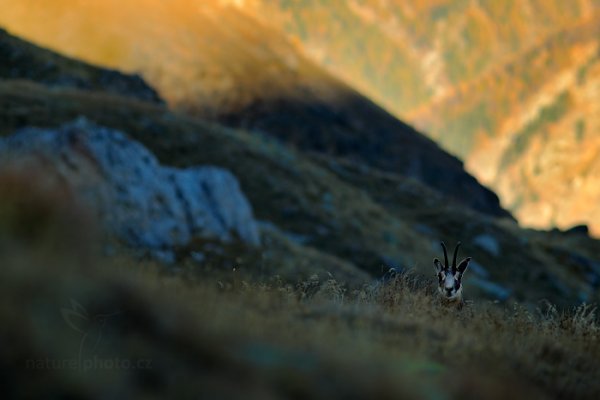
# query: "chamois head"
[[450, 277]]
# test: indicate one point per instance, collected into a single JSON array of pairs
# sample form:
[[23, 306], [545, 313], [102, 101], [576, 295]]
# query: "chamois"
[[450, 278]]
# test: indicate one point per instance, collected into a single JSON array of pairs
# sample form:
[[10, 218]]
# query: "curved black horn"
[[455, 255], [445, 255]]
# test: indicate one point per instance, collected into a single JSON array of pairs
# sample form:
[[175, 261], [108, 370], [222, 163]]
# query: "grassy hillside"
[[369, 219], [220, 333], [166, 336]]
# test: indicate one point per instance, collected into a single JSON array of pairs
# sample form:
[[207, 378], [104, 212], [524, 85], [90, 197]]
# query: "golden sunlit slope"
[[188, 49], [530, 129], [555, 159], [405, 53], [509, 86], [214, 60]]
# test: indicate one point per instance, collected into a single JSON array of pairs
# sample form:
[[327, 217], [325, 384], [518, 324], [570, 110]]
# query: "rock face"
[[147, 205]]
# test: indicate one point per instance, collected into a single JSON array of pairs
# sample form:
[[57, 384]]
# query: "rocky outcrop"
[[149, 206]]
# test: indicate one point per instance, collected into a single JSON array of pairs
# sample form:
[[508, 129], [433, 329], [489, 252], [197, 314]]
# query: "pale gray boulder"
[[147, 205]]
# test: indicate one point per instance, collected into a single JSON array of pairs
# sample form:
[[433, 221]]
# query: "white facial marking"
[[447, 286], [449, 281]]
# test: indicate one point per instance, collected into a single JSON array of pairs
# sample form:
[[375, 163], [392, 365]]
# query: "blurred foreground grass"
[[79, 325]]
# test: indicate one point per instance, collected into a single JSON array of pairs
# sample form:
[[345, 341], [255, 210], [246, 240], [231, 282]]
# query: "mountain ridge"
[[57, 70]]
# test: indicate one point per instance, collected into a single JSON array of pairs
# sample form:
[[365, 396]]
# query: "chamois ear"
[[437, 265], [463, 265]]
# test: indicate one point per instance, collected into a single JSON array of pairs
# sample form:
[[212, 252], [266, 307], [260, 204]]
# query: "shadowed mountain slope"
[[511, 87], [215, 61]]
